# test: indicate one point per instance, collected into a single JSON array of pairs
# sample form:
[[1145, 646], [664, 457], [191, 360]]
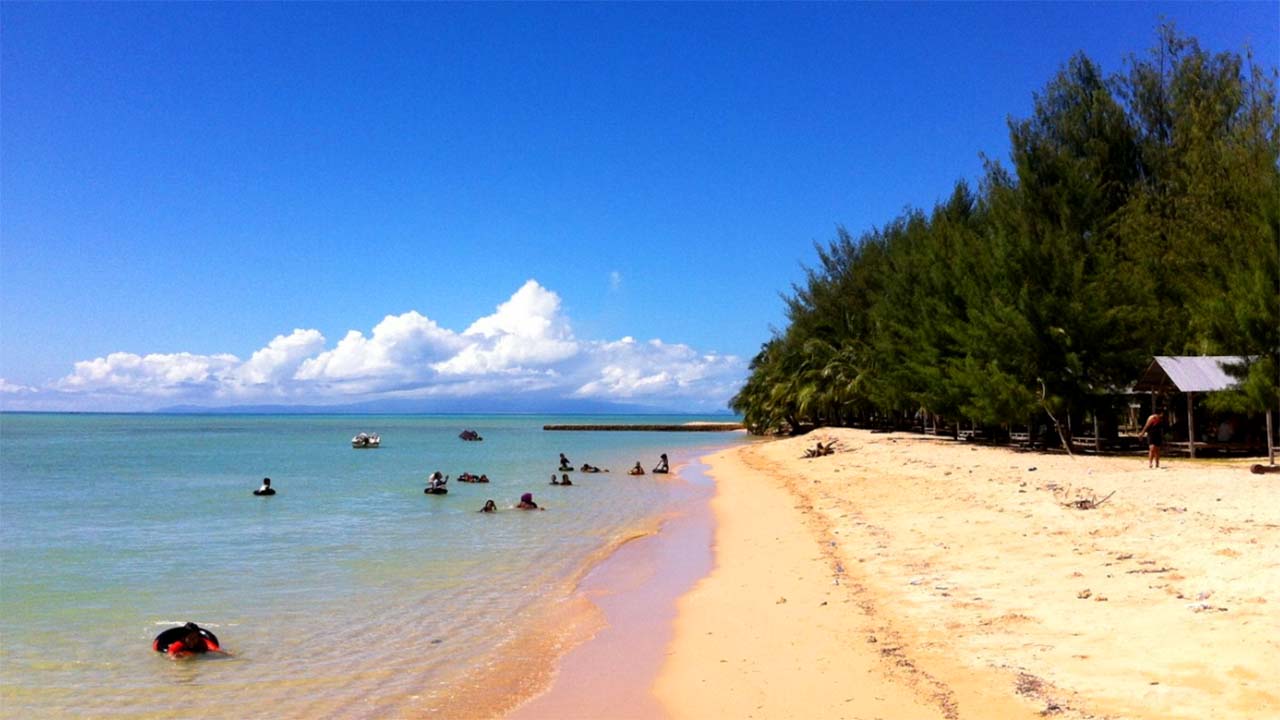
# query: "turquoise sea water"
[[348, 594]]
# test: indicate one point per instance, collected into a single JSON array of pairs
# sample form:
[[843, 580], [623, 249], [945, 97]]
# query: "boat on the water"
[[365, 441]]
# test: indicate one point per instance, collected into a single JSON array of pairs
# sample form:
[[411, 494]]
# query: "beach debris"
[[1259, 469], [781, 601], [821, 450], [1204, 607], [1150, 571], [1124, 556], [1099, 598], [1082, 499], [1084, 594]]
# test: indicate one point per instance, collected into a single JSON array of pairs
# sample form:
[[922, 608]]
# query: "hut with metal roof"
[[1167, 375]]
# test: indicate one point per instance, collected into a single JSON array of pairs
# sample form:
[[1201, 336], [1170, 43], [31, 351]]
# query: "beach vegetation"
[[1138, 214]]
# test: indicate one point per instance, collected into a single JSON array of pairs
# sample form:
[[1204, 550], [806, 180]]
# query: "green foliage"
[[1139, 215]]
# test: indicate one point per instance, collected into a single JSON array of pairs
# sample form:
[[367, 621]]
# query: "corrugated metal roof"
[[1206, 373]]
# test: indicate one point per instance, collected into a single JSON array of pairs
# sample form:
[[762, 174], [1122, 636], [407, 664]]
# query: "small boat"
[[365, 441]]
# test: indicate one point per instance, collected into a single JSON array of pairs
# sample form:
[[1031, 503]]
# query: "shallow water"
[[350, 593]]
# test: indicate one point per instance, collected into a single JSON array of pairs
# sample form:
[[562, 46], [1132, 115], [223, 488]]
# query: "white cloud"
[[627, 369], [155, 374], [8, 388], [526, 347], [525, 333], [400, 350], [280, 359], [615, 280]]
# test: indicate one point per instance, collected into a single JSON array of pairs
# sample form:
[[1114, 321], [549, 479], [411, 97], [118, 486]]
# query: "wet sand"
[[635, 592], [912, 577]]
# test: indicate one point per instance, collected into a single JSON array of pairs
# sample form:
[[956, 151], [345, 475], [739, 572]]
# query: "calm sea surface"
[[348, 594]]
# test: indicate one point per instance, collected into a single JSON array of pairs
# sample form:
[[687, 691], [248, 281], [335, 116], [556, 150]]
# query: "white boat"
[[365, 441]]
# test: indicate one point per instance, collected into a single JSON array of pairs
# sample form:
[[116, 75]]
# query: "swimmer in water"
[[527, 503], [554, 481], [661, 468], [185, 640], [564, 479], [489, 506], [266, 488], [637, 470]]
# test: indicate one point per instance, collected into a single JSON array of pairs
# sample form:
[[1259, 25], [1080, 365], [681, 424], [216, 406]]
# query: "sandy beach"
[[914, 577]]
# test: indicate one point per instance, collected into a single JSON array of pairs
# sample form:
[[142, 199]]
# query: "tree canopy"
[[1138, 215]]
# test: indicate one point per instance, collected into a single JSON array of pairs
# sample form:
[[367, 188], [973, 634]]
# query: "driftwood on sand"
[[821, 450], [1085, 498]]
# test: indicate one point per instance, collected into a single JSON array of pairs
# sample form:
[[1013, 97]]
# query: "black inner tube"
[[174, 634]]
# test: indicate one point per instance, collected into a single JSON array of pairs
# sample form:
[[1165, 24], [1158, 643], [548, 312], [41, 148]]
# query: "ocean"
[[350, 593]]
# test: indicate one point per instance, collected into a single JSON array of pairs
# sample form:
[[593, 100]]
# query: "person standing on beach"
[[1154, 432]]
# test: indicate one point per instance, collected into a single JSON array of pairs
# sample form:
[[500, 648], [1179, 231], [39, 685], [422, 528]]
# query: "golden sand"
[[911, 577]]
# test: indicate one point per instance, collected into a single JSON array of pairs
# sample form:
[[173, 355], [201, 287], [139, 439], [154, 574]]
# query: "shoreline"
[[634, 592]]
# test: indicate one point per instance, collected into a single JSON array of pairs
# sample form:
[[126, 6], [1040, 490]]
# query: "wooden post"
[[1097, 438], [1271, 440], [1191, 424]]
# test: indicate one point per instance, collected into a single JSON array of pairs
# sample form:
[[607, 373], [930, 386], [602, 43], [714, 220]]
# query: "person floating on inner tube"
[[564, 463], [185, 640], [266, 488]]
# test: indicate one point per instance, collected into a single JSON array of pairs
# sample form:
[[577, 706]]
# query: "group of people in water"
[[437, 481], [192, 639], [526, 500]]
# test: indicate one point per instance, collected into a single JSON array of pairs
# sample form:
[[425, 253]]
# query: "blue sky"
[[200, 204]]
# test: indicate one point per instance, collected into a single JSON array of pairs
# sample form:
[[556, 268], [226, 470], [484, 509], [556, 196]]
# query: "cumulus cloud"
[[401, 349], [280, 359], [8, 388], [156, 374], [524, 348], [525, 333], [627, 369]]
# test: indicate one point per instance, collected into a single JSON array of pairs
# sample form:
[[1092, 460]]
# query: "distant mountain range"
[[512, 405]]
